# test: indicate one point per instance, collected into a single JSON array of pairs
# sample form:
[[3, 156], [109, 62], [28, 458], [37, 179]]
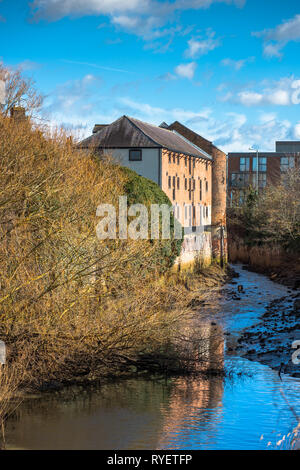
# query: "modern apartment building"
[[259, 169]]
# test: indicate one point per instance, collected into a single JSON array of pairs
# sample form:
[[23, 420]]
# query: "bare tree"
[[19, 91]]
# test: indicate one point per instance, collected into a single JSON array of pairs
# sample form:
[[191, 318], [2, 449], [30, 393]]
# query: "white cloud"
[[276, 39], [279, 97], [141, 17], [198, 47], [186, 70], [249, 98], [125, 21], [285, 92], [237, 64], [79, 104], [297, 131], [272, 50], [157, 115], [54, 10]]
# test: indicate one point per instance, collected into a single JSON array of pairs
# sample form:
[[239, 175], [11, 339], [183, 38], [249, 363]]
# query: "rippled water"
[[244, 411]]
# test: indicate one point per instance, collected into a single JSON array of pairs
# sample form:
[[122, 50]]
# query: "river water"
[[249, 409]]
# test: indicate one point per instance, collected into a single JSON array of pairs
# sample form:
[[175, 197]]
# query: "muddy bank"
[[270, 340]]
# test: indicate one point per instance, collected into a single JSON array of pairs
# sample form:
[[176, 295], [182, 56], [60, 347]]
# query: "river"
[[248, 409]]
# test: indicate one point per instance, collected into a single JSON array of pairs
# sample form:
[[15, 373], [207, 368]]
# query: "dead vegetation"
[[265, 231], [74, 308]]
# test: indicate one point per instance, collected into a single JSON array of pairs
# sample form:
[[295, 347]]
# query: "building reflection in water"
[[127, 414], [196, 402]]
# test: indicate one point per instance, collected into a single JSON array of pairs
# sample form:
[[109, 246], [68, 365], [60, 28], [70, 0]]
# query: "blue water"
[[246, 410], [250, 413]]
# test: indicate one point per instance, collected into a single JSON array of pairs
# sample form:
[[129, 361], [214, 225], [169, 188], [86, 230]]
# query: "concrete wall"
[[149, 166], [196, 247]]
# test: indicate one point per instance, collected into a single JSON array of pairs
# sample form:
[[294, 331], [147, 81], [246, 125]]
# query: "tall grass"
[[267, 257]]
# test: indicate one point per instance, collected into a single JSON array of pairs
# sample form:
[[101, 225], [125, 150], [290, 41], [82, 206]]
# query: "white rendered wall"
[[147, 167]]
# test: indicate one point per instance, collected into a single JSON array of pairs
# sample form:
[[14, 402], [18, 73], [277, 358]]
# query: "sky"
[[228, 69]]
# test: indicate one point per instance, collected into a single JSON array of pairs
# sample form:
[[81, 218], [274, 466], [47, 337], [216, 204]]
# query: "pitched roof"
[[129, 132]]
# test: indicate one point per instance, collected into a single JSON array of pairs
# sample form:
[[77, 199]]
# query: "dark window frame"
[[135, 159]]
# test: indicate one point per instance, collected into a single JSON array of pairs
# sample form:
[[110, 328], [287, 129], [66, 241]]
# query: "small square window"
[[135, 155]]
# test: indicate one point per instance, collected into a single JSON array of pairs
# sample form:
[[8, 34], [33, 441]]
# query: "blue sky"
[[229, 69]]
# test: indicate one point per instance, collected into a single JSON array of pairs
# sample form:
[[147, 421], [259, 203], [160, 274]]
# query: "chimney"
[[164, 125], [98, 127], [18, 113]]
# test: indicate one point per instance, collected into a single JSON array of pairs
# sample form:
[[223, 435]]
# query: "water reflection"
[[244, 411]]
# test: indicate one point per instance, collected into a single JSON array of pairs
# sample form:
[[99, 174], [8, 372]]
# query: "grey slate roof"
[[129, 132]]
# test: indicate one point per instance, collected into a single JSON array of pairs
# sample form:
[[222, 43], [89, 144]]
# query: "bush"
[[144, 191]]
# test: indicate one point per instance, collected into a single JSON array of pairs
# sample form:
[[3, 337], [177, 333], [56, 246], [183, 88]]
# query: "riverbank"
[[241, 409], [173, 299], [174, 343], [270, 339], [270, 260]]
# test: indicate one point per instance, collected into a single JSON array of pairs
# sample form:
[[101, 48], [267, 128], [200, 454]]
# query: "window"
[[178, 160], [194, 162], [169, 182], [240, 180], [206, 165], [194, 184], [206, 186], [174, 193], [185, 161], [244, 163], [206, 211], [174, 158], [135, 155], [185, 183], [286, 163], [178, 183], [262, 180], [169, 158], [262, 164], [173, 181], [200, 190]]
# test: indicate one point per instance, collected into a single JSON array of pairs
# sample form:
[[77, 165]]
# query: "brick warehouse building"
[[243, 172], [188, 168]]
